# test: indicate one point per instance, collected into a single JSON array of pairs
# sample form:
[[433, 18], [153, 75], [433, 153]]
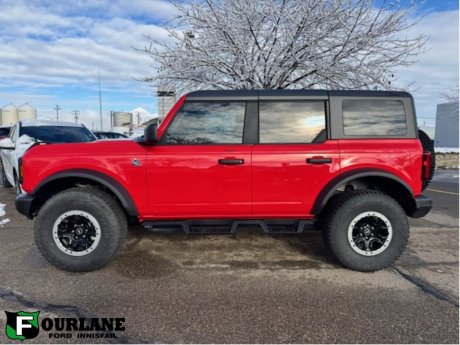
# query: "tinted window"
[[207, 123], [58, 134], [4, 131], [374, 117], [291, 122]]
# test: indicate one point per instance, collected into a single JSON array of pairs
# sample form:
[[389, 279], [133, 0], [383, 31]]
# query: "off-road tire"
[[428, 146], [344, 209], [99, 204], [5, 182]]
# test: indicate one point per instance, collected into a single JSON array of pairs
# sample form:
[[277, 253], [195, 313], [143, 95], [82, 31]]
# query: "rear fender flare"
[[328, 191]]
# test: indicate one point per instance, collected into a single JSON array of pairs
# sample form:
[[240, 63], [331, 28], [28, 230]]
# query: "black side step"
[[273, 226]]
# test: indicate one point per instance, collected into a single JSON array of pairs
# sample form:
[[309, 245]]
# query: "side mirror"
[[6, 144], [150, 134]]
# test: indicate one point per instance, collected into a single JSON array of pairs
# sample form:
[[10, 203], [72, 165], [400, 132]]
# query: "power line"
[[57, 108], [75, 115]]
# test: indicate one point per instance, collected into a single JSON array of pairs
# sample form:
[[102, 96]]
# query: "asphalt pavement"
[[247, 288]]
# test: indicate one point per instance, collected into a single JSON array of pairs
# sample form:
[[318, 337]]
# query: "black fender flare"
[[328, 191], [110, 183]]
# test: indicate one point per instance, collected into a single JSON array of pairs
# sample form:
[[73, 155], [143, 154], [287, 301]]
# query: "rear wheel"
[[5, 181], [428, 146], [80, 229], [365, 230]]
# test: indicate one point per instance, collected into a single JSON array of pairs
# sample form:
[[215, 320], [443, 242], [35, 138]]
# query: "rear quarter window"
[[374, 118]]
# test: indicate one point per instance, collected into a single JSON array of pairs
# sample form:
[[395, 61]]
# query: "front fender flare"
[[110, 183]]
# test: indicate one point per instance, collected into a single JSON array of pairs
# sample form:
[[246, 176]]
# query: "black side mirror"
[[150, 134]]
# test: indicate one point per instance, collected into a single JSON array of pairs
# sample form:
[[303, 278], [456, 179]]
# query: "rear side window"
[[207, 123], [291, 122], [363, 117]]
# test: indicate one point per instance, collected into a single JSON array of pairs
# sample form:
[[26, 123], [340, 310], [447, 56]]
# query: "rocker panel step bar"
[[275, 226]]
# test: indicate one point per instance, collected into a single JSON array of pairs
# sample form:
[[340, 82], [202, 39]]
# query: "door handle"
[[232, 161], [319, 160]]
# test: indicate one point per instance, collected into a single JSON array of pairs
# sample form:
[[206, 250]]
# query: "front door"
[[201, 168]]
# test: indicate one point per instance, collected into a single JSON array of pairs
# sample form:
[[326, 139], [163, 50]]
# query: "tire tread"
[[79, 192], [334, 213]]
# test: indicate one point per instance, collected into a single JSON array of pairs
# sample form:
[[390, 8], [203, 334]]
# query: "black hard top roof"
[[278, 94]]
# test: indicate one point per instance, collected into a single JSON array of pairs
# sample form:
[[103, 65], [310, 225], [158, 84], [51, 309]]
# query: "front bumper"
[[24, 204], [421, 206]]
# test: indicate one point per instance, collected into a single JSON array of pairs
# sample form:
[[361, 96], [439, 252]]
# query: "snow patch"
[[446, 149], [2, 213]]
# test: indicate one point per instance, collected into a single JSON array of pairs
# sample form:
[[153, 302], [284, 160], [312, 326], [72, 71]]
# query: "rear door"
[[201, 168], [294, 159]]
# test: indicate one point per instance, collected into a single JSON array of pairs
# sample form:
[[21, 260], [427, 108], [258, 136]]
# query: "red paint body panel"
[[400, 157], [111, 157], [284, 185], [186, 181]]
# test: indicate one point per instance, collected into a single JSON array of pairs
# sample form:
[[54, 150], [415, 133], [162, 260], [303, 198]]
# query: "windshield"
[[58, 134]]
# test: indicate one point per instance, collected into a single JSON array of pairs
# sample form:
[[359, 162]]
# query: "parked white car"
[[26, 133], [138, 132]]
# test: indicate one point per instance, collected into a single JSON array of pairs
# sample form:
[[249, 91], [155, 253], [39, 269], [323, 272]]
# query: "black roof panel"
[[277, 94]]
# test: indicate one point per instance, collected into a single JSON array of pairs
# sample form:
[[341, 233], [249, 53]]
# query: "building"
[[166, 100], [446, 130]]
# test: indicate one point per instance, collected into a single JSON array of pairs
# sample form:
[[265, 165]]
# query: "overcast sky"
[[50, 52]]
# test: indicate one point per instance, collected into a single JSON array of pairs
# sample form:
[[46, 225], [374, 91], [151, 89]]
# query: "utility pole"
[[75, 115], [138, 118], [100, 96], [57, 108]]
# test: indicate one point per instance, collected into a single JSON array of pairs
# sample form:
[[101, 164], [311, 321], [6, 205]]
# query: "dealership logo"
[[21, 325]]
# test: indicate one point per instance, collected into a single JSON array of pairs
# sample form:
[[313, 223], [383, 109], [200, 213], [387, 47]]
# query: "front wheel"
[[80, 229], [366, 230]]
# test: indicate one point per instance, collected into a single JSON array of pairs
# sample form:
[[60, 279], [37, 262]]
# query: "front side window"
[[207, 123], [374, 117], [291, 122]]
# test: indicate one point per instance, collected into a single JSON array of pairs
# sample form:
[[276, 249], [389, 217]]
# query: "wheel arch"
[[396, 187], [69, 178]]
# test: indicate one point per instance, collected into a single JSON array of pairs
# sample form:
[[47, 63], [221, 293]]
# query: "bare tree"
[[277, 44], [452, 95]]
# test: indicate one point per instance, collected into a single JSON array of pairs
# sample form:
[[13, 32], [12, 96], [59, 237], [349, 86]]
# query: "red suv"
[[350, 162]]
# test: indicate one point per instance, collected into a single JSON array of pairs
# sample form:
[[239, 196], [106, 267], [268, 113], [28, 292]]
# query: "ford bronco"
[[351, 163]]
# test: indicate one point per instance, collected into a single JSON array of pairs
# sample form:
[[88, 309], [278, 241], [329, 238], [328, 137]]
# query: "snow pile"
[[2, 213], [446, 149]]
